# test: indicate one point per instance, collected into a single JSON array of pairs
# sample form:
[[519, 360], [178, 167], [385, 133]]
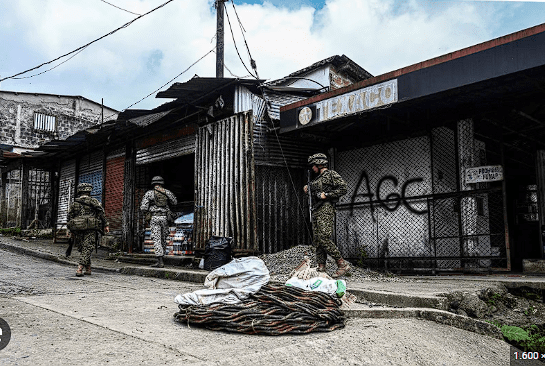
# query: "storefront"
[[410, 142]]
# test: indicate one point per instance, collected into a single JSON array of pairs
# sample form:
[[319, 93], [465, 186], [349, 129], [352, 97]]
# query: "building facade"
[[28, 121]]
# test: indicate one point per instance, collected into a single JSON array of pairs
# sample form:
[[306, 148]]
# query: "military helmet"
[[85, 187], [157, 180], [317, 159]]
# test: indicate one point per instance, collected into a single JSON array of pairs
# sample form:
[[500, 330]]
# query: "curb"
[[400, 300], [49, 256], [437, 316], [167, 273]]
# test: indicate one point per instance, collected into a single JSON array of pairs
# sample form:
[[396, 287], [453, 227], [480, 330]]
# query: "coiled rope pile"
[[273, 310]]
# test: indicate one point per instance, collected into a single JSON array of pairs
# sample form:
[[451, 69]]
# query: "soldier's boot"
[[79, 272], [159, 263], [87, 270], [344, 268], [321, 267]]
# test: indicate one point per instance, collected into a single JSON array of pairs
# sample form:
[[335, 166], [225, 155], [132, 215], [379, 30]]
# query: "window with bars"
[[44, 122]]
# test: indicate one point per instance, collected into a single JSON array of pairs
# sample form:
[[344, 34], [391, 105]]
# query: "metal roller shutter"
[[66, 190], [168, 150], [90, 171]]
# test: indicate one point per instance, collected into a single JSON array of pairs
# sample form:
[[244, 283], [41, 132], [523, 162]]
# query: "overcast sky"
[[283, 36]]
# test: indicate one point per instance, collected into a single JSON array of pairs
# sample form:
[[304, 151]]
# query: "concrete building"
[[28, 121]]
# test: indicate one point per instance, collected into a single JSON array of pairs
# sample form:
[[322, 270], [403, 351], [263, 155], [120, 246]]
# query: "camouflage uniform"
[[323, 212], [159, 221], [86, 240]]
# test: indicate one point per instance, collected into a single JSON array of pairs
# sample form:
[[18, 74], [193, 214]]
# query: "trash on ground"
[[230, 283]]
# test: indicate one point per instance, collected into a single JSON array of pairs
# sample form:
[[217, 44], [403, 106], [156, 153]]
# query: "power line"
[[235, 43], [171, 80], [119, 7], [88, 44], [54, 67], [242, 30]]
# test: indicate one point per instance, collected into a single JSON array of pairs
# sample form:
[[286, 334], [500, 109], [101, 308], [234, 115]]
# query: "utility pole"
[[219, 38]]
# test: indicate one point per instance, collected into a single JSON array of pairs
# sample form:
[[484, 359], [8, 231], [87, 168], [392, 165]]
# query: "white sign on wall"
[[357, 101], [481, 174]]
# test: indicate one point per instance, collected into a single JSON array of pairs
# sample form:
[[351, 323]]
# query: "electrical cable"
[[171, 80], [293, 184], [54, 67], [295, 190], [242, 30], [233, 75], [119, 7], [88, 44], [235, 43]]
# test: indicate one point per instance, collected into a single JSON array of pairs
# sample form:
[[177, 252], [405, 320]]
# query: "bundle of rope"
[[273, 310]]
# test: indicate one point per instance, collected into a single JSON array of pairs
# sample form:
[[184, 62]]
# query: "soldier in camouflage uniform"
[[86, 238], [325, 190], [156, 204]]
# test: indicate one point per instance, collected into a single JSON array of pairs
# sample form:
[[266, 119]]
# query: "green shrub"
[[11, 231], [530, 339]]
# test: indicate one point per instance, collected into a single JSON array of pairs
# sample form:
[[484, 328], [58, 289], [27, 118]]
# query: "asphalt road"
[[113, 319]]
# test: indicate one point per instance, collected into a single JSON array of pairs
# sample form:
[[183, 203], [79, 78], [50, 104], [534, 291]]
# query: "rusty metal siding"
[[66, 190], [225, 180], [166, 150]]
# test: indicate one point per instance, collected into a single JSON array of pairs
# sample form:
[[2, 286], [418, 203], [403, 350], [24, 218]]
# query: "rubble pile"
[[281, 264]]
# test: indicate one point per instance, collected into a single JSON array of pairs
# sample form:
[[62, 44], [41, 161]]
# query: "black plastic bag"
[[217, 252]]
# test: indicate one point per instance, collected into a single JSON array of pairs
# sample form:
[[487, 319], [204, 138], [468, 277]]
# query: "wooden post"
[[219, 38]]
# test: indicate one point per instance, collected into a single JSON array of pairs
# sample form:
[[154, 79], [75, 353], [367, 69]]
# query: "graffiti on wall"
[[388, 200]]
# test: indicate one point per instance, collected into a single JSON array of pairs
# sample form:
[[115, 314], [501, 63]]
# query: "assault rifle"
[[70, 245], [309, 195]]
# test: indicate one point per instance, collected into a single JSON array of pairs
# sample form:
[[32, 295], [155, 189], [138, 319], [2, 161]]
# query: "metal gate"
[[281, 210], [39, 198], [408, 207]]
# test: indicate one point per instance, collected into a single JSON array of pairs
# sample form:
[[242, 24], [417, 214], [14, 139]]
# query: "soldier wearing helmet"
[[85, 220], [325, 190], [157, 204]]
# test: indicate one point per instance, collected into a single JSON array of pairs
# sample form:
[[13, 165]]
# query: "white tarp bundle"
[[230, 283], [322, 284]]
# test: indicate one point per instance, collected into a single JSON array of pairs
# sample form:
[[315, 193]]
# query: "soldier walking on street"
[[157, 204], [325, 190], [85, 220]]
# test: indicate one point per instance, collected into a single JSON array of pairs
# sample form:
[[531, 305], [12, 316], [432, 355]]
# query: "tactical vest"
[[161, 199], [87, 218]]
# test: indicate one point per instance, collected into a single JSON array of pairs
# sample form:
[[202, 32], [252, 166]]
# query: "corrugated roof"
[[199, 88], [341, 63], [277, 99], [148, 119]]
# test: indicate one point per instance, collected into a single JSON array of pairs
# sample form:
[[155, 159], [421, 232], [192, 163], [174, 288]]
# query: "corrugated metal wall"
[[283, 218], [225, 177], [90, 171], [66, 190], [277, 150], [166, 150], [281, 166]]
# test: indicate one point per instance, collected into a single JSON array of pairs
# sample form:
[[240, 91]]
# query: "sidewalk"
[[422, 297]]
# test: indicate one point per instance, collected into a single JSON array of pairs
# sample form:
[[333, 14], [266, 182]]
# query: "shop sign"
[[482, 174], [356, 101]]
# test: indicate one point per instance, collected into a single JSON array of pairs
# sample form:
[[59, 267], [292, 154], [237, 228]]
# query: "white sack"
[[230, 283], [331, 287]]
